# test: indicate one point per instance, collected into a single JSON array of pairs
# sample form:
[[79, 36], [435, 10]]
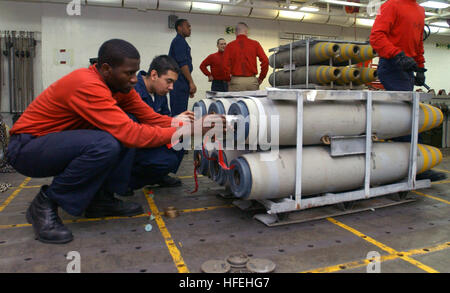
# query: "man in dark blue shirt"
[[179, 50], [152, 165]]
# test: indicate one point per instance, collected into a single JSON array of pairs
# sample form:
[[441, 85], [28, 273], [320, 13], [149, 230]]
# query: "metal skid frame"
[[307, 43], [343, 146]]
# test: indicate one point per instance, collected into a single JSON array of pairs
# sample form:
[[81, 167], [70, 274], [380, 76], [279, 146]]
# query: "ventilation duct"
[[208, 8], [316, 18], [141, 4], [264, 13], [110, 3], [235, 11], [170, 5]]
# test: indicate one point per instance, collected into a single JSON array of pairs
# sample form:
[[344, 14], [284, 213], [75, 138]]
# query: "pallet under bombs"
[[253, 178], [321, 74], [325, 119], [317, 53]]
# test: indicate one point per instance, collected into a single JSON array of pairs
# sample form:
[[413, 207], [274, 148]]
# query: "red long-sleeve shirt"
[[399, 27], [82, 100], [215, 63], [240, 58]]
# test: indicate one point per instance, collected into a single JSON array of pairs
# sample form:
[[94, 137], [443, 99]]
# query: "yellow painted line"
[[14, 194], [384, 247], [189, 176], [205, 209], [430, 196], [76, 221], [350, 265], [383, 258], [441, 170], [174, 252], [440, 182]]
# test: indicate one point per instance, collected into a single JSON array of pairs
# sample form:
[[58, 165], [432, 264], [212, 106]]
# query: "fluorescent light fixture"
[[309, 9], [339, 2], [291, 14], [365, 21], [293, 7], [435, 4], [443, 24], [206, 6]]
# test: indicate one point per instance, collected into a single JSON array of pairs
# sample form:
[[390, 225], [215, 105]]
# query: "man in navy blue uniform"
[[179, 50], [152, 165]]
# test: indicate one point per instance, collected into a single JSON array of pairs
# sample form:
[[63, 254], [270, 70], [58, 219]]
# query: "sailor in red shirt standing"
[[240, 61], [215, 62], [78, 131], [397, 37]]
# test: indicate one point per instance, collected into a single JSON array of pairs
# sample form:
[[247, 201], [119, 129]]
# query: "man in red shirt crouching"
[[240, 61], [77, 130]]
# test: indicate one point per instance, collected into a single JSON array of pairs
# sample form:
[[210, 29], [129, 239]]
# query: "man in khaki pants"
[[240, 61]]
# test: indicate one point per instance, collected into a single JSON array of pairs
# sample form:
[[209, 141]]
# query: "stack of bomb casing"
[[268, 123], [323, 63]]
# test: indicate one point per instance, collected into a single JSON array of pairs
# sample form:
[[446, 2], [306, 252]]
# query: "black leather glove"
[[404, 62], [419, 79]]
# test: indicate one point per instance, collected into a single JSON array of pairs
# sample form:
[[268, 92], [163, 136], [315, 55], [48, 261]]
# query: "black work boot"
[[168, 181], [105, 204], [43, 215]]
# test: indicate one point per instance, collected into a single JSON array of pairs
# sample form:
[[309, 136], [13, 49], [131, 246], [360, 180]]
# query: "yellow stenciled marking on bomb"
[[433, 156], [434, 116], [425, 158], [425, 117]]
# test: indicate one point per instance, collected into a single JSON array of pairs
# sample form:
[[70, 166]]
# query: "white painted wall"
[[149, 32]]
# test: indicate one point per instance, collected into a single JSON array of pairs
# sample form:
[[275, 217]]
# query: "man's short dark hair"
[[115, 51], [179, 23], [219, 39], [162, 64]]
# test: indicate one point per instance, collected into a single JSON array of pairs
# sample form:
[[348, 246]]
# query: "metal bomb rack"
[[290, 67], [340, 146]]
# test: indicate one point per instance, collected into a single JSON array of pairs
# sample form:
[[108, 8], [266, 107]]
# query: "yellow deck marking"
[[205, 209], [384, 247], [14, 194], [174, 252], [365, 262], [430, 196], [76, 221], [440, 182], [441, 170]]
